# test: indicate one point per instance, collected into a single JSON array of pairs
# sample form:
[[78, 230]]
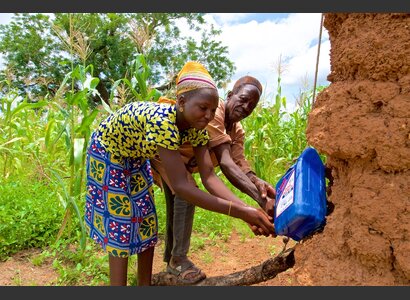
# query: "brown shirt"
[[217, 136]]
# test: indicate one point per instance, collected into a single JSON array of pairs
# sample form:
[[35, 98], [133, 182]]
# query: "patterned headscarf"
[[247, 80], [192, 76]]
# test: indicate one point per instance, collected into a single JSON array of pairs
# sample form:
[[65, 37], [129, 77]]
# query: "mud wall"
[[362, 123]]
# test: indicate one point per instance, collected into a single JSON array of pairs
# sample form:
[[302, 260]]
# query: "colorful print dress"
[[120, 213]]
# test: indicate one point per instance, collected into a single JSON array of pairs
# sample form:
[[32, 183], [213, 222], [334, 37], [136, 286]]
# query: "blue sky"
[[256, 41], [246, 17]]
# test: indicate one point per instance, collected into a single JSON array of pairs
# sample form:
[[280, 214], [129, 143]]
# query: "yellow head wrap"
[[192, 76]]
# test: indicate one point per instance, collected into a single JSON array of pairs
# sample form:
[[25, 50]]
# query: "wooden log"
[[262, 272]]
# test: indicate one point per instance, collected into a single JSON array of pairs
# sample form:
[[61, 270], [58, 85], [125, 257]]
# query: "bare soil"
[[215, 259]]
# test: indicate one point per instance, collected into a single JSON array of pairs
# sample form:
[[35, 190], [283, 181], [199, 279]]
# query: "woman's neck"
[[180, 121]]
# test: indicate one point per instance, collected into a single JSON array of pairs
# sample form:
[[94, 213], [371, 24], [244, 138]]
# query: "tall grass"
[[43, 147], [275, 136]]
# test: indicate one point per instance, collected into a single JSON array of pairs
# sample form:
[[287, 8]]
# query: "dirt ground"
[[236, 254]]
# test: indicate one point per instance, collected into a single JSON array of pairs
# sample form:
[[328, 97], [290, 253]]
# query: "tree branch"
[[262, 272]]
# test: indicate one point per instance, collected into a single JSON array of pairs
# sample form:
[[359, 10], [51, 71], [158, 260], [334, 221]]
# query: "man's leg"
[[183, 221], [169, 232], [179, 263]]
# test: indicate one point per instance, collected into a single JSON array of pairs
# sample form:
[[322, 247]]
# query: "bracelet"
[[230, 205]]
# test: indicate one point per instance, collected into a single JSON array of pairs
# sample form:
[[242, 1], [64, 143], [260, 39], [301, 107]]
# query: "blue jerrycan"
[[300, 204]]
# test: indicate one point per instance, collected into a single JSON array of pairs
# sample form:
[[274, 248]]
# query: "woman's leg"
[[144, 219], [145, 260], [118, 270], [100, 221]]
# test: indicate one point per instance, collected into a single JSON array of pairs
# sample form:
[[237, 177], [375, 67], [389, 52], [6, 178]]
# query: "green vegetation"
[[39, 49], [39, 193], [44, 130]]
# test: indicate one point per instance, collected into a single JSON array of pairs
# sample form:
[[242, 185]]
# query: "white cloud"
[[305, 64], [255, 48], [5, 18]]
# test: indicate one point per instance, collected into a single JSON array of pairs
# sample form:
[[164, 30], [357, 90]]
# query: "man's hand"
[[270, 206], [266, 191], [264, 188]]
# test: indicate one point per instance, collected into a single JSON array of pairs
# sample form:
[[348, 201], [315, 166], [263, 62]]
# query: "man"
[[227, 150]]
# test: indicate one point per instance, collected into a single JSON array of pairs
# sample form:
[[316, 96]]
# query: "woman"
[[120, 212], [226, 146]]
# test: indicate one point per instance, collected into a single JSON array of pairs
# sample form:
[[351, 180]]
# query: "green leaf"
[[107, 107], [86, 122], [25, 104], [62, 200], [134, 92], [114, 88], [142, 86], [11, 141], [154, 95], [90, 69], [49, 128], [80, 218], [77, 98], [78, 152], [284, 101], [64, 82], [91, 83]]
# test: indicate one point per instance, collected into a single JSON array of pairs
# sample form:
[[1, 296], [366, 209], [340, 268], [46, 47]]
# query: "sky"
[[256, 42]]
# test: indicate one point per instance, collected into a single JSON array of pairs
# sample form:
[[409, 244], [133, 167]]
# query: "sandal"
[[186, 272]]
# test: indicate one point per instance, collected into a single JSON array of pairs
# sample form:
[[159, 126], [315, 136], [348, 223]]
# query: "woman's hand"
[[259, 221]]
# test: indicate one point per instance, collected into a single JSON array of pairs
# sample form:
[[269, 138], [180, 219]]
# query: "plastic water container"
[[300, 204]]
